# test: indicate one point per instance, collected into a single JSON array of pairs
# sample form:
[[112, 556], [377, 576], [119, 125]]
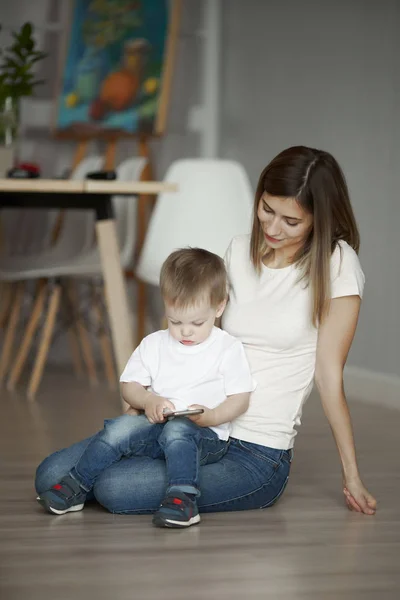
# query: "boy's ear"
[[221, 308]]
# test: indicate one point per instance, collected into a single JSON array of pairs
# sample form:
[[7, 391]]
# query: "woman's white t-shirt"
[[271, 315]]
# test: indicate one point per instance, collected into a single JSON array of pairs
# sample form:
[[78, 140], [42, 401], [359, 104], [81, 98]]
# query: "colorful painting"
[[116, 68]]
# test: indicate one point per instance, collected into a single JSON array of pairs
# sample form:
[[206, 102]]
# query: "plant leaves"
[[26, 31], [17, 77]]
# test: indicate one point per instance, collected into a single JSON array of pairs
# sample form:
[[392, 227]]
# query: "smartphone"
[[182, 413]]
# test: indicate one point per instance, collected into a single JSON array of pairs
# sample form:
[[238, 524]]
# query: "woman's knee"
[[107, 494], [132, 486], [57, 465], [49, 472]]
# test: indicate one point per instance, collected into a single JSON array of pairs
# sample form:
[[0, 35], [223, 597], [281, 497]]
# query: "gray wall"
[[317, 72], [326, 73]]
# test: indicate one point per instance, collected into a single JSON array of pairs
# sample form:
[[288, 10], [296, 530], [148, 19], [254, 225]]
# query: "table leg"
[[116, 293]]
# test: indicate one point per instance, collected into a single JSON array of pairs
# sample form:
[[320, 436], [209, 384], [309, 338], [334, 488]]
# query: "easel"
[[144, 202], [145, 207]]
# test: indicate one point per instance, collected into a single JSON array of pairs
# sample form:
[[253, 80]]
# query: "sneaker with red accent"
[[65, 496], [177, 510]]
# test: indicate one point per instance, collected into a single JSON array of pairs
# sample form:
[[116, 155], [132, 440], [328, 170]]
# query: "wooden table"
[[97, 196]]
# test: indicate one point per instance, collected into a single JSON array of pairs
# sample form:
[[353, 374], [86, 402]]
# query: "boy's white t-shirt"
[[202, 374], [271, 314]]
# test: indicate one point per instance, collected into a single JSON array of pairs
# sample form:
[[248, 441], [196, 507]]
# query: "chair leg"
[[83, 336], [11, 329], [72, 332], [27, 339], [6, 292], [104, 338], [73, 340], [47, 333]]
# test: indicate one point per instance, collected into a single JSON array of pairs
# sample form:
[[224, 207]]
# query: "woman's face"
[[284, 222]]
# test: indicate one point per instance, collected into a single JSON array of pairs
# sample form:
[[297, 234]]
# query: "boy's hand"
[[206, 419], [154, 408]]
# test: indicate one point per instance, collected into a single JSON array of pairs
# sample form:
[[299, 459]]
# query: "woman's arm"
[[334, 341]]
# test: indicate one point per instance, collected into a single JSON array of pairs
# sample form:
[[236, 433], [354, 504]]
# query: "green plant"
[[16, 69]]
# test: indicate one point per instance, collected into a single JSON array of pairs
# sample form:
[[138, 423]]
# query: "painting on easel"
[[117, 71]]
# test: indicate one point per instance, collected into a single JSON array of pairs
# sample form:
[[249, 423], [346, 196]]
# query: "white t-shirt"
[[271, 315], [202, 374]]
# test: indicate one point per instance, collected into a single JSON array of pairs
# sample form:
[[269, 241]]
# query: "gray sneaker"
[[177, 510], [66, 496]]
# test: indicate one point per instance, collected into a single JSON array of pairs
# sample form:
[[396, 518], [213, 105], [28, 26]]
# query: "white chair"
[[76, 232], [85, 264], [75, 236], [213, 204], [26, 231], [28, 239]]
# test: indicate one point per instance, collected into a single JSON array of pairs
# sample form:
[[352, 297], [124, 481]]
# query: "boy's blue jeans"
[[184, 445]]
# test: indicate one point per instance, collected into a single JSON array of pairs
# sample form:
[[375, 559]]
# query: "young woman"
[[295, 292]]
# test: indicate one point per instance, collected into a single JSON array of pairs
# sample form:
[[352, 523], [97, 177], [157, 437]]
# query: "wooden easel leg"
[[143, 213], [80, 153], [27, 339], [141, 311], [111, 151]]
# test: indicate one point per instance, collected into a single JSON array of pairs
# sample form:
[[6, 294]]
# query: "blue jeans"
[[249, 476], [182, 443]]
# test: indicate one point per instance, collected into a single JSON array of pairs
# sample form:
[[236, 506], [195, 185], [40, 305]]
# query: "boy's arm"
[[228, 410], [237, 377], [139, 369], [135, 394], [140, 399]]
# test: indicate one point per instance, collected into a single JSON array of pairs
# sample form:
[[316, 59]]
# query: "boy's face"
[[192, 325]]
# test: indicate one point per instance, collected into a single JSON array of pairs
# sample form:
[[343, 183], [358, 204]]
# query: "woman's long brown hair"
[[317, 182]]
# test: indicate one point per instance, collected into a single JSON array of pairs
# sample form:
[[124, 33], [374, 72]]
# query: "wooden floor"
[[308, 546]]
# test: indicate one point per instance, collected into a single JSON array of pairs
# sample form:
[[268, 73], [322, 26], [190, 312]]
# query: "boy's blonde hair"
[[192, 275]]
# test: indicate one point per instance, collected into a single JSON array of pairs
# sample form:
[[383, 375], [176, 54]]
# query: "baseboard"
[[372, 387]]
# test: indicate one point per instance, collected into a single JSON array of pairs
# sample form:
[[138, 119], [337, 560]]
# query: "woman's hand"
[[358, 498], [155, 405]]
